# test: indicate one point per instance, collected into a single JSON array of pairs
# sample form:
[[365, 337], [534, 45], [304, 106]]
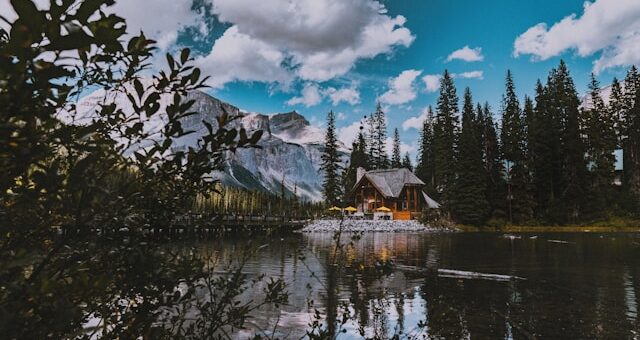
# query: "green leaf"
[[89, 7], [171, 62], [255, 138], [73, 40], [138, 86], [184, 55], [25, 9], [195, 75]]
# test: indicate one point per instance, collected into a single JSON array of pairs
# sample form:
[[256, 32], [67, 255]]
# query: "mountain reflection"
[[587, 288]]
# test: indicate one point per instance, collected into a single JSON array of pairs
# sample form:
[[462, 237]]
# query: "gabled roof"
[[390, 182]]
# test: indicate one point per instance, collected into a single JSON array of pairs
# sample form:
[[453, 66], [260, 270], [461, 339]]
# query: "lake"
[[417, 285]]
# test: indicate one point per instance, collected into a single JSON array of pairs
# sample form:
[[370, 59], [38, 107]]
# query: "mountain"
[[288, 154], [605, 93]]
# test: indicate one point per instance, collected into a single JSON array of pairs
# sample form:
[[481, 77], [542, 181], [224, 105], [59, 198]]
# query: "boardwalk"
[[204, 226]]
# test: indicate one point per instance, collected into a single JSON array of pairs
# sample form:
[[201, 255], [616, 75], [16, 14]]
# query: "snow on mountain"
[[289, 152], [605, 92]]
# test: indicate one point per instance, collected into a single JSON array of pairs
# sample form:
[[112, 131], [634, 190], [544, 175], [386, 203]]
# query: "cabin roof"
[[390, 182]]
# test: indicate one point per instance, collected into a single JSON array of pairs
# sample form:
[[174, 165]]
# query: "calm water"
[[575, 285]]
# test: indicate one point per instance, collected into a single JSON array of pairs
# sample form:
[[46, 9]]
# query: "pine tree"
[[331, 163], [493, 166], [631, 86], [570, 165], [617, 111], [542, 136], [528, 115], [512, 136], [469, 201], [358, 159], [406, 162], [425, 167], [631, 136], [445, 132], [631, 147], [396, 159], [378, 139], [369, 137], [599, 126]]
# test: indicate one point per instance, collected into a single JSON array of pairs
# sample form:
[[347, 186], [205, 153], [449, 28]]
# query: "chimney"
[[359, 173]]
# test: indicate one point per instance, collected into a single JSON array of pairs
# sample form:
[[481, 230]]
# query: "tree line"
[[548, 159]]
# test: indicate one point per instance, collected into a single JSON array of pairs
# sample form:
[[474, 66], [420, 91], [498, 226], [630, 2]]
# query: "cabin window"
[[404, 205]]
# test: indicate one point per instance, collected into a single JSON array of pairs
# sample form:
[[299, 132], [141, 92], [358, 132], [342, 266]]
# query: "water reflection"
[[584, 287]]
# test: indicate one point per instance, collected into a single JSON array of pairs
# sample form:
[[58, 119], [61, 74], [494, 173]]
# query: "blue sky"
[[313, 56], [488, 30]]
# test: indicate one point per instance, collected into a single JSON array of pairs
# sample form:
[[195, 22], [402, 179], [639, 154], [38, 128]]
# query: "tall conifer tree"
[[601, 141], [425, 167], [445, 132], [512, 136], [378, 139], [541, 136], [358, 159], [493, 166], [570, 164], [396, 158], [406, 162], [331, 186], [631, 141], [617, 111], [469, 201]]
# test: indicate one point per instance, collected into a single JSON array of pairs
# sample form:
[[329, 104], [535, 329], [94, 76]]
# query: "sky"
[[313, 56]]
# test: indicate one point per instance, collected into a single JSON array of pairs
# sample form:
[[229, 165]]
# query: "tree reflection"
[[585, 289]]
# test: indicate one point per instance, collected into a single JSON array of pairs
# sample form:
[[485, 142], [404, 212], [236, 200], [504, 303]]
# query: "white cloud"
[[160, 20], [238, 57], [310, 96], [349, 133], [341, 116], [322, 39], [611, 27], [467, 54], [432, 82], [348, 95], [404, 147], [401, 88], [470, 75], [417, 121]]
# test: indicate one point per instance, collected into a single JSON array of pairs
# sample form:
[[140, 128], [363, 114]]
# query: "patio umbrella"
[[383, 209], [334, 208], [350, 209]]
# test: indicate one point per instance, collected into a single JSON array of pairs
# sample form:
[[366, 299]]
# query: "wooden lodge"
[[397, 189]]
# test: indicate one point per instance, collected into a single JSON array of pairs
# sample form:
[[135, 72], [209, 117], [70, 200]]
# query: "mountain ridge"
[[288, 154]]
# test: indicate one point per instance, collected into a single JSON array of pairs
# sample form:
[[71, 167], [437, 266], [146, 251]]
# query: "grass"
[[610, 225]]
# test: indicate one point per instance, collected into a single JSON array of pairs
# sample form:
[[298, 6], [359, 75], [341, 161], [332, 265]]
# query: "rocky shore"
[[325, 226]]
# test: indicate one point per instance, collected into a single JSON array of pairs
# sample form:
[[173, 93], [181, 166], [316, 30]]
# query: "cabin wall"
[[367, 199]]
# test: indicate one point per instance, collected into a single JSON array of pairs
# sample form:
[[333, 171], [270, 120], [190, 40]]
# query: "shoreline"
[[370, 226], [550, 229]]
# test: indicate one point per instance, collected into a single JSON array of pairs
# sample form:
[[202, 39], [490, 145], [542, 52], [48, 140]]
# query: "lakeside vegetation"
[[68, 174], [608, 225]]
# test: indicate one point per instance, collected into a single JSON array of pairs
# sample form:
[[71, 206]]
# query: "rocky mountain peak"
[[287, 121]]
